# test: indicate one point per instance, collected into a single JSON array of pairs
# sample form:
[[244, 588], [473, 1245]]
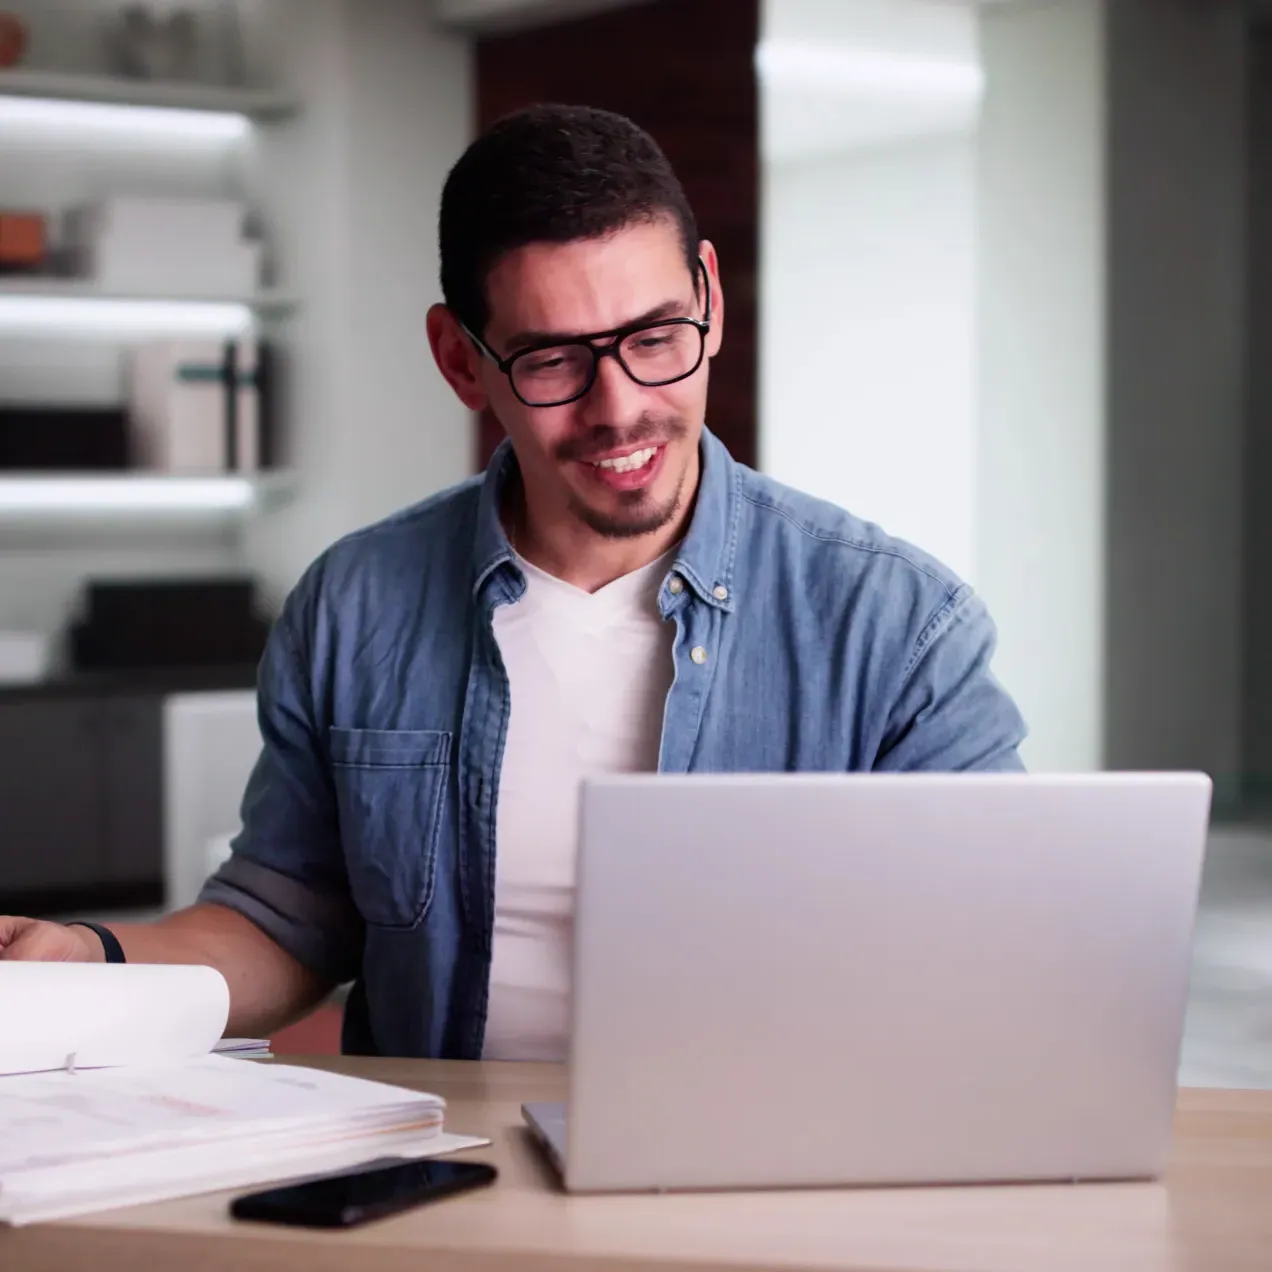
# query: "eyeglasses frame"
[[613, 341]]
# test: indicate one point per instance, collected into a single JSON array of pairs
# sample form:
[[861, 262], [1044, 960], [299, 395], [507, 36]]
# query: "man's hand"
[[268, 987], [37, 941]]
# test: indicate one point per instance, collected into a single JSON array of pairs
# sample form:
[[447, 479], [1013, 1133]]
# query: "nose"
[[614, 398]]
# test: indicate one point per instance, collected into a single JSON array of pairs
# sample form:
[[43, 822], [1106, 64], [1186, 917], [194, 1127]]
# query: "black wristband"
[[110, 942]]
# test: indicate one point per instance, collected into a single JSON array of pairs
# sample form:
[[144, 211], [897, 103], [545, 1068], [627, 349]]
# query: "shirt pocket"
[[390, 790]]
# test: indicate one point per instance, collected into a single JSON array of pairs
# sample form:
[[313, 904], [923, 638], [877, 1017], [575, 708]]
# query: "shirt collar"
[[706, 555], [707, 552], [491, 548]]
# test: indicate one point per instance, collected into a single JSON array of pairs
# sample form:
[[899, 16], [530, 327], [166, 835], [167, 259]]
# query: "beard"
[[639, 512]]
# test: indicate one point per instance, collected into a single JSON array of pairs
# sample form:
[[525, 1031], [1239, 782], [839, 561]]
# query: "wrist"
[[91, 942], [105, 946]]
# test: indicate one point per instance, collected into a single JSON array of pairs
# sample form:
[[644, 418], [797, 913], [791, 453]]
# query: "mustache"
[[601, 439]]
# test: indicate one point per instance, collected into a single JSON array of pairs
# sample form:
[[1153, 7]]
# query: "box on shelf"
[[145, 624], [169, 270], [142, 218], [23, 241], [50, 438], [201, 406], [162, 246]]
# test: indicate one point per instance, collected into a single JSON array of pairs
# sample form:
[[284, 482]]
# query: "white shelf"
[[44, 496], [107, 90], [41, 287]]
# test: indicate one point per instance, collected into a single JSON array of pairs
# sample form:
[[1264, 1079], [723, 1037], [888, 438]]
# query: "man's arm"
[[951, 714], [268, 987]]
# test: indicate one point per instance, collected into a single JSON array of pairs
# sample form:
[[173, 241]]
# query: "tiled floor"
[[1228, 1032]]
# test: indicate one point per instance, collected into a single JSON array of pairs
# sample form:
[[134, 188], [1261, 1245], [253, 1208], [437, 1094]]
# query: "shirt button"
[[676, 586], [698, 654], [720, 592]]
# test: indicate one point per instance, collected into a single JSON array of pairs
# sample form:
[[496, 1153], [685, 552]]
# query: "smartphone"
[[353, 1197]]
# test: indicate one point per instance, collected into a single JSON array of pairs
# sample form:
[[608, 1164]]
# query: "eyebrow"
[[524, 339]]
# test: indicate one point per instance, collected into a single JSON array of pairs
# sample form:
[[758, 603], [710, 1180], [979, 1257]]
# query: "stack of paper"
[[244, 1048], [109, 1096]]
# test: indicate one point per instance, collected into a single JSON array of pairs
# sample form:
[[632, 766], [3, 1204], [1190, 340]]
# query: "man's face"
[[623, 458]]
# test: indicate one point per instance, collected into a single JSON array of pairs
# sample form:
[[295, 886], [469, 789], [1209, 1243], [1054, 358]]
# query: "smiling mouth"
[[627, 463]]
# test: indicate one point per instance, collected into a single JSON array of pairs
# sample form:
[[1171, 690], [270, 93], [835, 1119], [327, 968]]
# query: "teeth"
[[629, 463]]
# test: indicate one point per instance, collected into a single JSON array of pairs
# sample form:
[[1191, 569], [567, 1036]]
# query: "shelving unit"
[[28, 498], [261, 105], [267, 302], [43, 303], [35, 304]]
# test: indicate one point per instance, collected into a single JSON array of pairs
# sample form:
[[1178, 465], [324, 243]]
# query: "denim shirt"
[[805, 639]]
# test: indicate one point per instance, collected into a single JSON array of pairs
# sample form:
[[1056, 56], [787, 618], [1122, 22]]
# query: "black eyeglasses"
[[653, 354]]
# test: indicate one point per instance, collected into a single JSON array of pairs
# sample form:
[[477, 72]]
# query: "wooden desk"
[[1214, 1212]]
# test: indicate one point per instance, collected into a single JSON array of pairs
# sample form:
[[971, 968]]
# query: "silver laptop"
[[797, 980]]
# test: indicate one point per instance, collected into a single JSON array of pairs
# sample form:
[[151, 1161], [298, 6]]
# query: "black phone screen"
[[339, 1201]]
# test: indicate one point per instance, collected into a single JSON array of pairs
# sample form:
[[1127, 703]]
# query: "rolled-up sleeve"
[[952, 714], [286, 872]]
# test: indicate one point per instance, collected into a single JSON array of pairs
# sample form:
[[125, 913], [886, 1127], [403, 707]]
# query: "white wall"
[[411, 118], [352, 189], [868, 115], [1040, 477], [1112, 258], [867, 336], [933, 248], [1014, 335]]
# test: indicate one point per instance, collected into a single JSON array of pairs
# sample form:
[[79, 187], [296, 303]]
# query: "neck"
[[562, 545]]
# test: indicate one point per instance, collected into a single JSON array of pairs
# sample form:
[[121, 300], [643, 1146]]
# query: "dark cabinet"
[[50, 795], [81, 802], [132, 803]]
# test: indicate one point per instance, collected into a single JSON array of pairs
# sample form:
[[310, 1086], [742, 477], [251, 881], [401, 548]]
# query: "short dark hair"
[[550, 174]]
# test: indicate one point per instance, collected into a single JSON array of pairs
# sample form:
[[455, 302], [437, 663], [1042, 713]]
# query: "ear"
[[715, 337], [456, 357]]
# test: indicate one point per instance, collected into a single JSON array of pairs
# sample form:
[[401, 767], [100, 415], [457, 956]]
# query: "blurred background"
[[995, 280]]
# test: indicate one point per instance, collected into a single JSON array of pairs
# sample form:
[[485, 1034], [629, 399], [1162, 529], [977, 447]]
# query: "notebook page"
[[52, 1120], [24, 1205], [105, 1014]]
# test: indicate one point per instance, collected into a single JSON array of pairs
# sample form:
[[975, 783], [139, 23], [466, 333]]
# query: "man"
[[615, 593]]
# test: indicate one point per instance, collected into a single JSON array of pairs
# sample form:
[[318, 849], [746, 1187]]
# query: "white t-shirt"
[[589, 675]]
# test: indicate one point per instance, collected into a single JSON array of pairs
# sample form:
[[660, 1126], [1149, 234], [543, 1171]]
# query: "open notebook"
[[112, 1093]]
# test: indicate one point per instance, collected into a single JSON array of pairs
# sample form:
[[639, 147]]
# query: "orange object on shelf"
[[23, 240], [12, 39]]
